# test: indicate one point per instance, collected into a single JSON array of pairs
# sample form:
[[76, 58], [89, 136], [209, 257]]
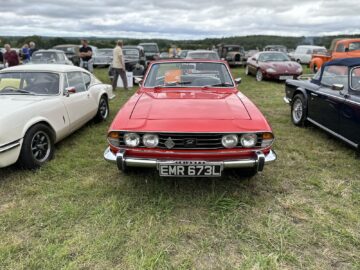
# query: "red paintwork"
[[186, 110]]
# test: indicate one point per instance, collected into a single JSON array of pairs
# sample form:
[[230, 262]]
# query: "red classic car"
[[272, 65], [189, 119]]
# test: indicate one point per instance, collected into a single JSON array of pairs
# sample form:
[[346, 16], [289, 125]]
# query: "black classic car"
[[330, 100]]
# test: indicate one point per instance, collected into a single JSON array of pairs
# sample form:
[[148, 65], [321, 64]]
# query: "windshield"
[[44, 57], [104, 52], [203, 55], [131, 52], [66, 49], [273, 57], [35, 83], [150, 48], [189, 74], [354, 46]]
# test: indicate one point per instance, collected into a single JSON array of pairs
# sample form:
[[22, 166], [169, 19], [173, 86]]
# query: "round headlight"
[[230, 140], [132, 139], [150, 140], [248, 140]]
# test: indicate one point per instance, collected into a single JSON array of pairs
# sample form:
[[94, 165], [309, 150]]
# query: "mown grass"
[[79, 212]]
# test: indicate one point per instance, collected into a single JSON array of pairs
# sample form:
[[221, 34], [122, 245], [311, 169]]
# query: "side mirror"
[[139, 81], [238, 81], [69, 91], [337, 87]]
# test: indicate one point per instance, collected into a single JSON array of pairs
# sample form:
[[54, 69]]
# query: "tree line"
[[248, 42]]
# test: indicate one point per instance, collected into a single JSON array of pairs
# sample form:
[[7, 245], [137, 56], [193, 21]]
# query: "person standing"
[[11, 58], [32, 48], [86, 53], [118, 66], [25, 53]]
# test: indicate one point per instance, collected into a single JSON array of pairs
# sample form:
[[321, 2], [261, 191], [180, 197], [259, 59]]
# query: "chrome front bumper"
[[123, 161]]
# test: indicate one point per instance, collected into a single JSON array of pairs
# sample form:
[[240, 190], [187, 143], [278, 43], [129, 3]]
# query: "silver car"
[[103, 57], [50, 57]]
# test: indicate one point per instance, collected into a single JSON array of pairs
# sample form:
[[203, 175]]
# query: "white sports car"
[[42, 104]]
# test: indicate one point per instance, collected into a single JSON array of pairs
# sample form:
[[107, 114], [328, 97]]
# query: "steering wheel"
[[9, 88]]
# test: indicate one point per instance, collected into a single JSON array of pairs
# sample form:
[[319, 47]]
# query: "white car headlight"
[[230, 140], [132, 139], [150, 140], [248, 140], [270, 70]]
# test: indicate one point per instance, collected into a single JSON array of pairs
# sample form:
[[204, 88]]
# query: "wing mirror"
[[337, 87], [237, 81], [139, 81], [69, 91]]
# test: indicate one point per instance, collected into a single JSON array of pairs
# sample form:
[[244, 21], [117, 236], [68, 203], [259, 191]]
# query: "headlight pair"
[[247, 140], [133, 140]]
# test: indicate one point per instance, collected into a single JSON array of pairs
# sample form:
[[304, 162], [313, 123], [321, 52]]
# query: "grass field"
[[79, 212]]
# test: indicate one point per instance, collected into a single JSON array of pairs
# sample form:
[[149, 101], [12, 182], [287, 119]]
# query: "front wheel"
[[37, 148], [103, 110], [259, 75], [298, 110]]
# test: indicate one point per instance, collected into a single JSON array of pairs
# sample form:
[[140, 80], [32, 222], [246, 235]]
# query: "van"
[[303, 53]]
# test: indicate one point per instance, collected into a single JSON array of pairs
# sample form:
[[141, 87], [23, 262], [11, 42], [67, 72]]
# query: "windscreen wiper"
[[221, 85], [11, 91]]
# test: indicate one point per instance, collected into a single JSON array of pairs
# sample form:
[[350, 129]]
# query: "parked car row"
[[209, 126]]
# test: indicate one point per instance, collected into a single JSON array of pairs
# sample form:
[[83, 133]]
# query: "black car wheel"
[[103, 110], [37, 148], [298, 110], [259, 75]]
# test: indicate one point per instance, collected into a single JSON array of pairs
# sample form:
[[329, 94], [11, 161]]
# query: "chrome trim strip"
[[332, 132], [194, 132], [152, 163], [7, 147]]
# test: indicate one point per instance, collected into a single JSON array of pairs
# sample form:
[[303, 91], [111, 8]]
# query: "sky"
[[181, 19]]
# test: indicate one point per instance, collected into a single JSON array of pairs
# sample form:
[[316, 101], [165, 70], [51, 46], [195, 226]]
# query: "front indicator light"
[[114, 138], [267, 139], [248, 140], [131, 139], [150, 140], [230, 140]]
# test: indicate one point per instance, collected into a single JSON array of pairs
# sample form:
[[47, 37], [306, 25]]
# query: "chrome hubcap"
[[103, 108], [40, 146], [297, 111], [259, 75]]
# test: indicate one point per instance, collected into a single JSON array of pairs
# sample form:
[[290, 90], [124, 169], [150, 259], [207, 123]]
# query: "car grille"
[[191, 141]]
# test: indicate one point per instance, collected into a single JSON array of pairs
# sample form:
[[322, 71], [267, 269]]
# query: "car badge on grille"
[[169, 143], [190, 142]]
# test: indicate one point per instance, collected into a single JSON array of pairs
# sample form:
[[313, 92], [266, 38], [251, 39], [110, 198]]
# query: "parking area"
[[79, 212]]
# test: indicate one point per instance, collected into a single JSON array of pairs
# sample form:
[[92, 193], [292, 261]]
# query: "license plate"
[[285, 77], [238, 63], [190, 169]]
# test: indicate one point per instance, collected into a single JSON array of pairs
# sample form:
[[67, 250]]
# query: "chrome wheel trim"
[[103, 108], [297, 112], [259, 75], [40, 146]]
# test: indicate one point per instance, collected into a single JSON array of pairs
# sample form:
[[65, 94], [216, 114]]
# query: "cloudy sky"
[[181, 19]]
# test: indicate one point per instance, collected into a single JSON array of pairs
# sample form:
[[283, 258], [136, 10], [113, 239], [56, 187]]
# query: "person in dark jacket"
[[11, 58]]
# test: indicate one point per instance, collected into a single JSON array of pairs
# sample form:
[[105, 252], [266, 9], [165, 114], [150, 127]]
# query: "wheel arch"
[[43, 121]]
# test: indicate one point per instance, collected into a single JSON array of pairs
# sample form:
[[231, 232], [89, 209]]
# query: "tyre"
[[37, 147], [298, 61], [315, 68], [247, 70], [103, 110], [298, 110], [259, 76]]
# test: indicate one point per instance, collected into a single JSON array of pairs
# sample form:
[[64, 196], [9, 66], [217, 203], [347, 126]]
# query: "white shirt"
[[118, 58]]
